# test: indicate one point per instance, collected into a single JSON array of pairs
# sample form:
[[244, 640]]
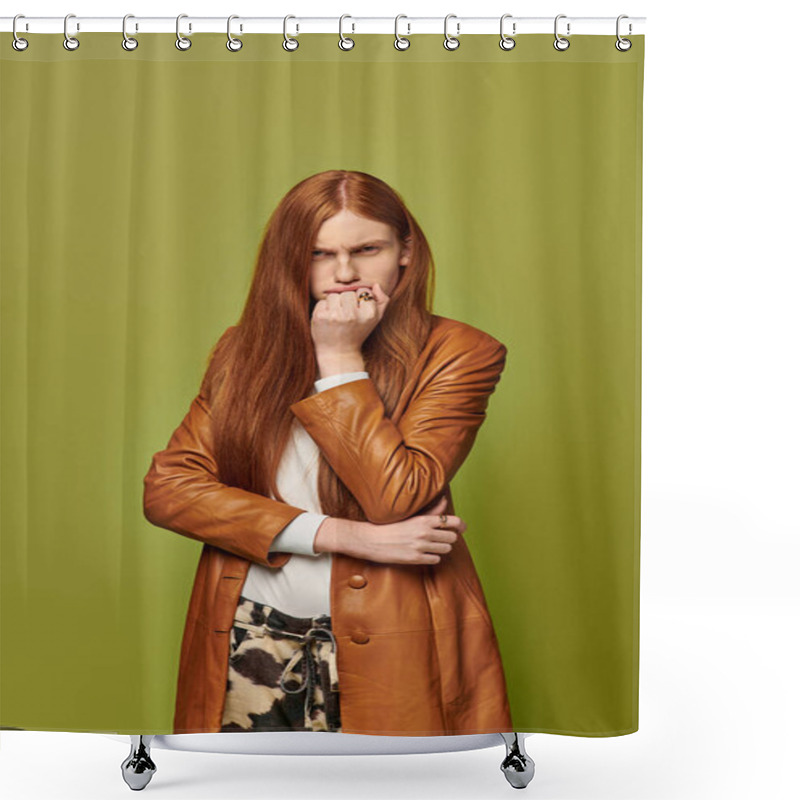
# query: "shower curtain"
[[136, 188]]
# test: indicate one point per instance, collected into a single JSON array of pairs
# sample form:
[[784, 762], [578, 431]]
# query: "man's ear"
[[405, 253]]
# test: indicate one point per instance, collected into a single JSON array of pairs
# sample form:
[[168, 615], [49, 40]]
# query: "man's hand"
[[421, 539], [340, 323]]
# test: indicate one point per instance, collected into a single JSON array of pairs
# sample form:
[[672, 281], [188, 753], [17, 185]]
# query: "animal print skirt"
[[281, 672]]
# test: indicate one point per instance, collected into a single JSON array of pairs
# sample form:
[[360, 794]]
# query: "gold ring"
[[365, 296], [443, 519]]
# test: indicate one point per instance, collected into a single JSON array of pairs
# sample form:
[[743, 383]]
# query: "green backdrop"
[[134, 189]]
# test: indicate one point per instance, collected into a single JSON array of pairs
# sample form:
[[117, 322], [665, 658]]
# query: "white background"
[[719, 599]]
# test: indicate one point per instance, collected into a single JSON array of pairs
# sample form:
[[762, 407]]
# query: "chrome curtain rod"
[[403, 25]]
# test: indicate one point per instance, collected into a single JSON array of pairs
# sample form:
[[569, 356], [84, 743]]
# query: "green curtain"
[[135, 187]]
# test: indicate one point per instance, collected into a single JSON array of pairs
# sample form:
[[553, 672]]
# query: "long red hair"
[[268, 362]]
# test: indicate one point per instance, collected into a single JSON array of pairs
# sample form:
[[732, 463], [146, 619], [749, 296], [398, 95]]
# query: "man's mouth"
[[347, 289]]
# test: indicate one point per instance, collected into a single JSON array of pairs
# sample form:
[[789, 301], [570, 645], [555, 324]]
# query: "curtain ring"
[[70, 42], [128, 42], [345, 42], [506, 42], [233, 44], [400, 42], [560, 42], [623, 45], [18, 43], [182, 43], [290, 43], [451, 42]]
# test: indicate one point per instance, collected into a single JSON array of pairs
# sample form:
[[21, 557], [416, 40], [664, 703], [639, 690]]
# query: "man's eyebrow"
[[363, 244]]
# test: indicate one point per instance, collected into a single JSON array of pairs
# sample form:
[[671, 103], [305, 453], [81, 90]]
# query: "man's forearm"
[[337, 535], [331, 362]]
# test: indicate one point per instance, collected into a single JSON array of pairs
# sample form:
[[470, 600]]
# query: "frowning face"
[[351, 252]]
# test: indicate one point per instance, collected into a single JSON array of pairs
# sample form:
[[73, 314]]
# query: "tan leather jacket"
[[417, 653]]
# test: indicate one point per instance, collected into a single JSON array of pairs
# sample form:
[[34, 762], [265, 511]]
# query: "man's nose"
[[344, 268]]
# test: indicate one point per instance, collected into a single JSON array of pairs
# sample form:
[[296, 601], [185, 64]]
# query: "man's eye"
[[366, 247]]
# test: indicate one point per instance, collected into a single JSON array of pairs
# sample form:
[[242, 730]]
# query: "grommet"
[[507, 42], [623, 45], [451, 42], [182, 43], [18, 43], [560, 42], [345, 42], [290, 43], [128, 42], [233, 44], [401, 43], [70, 42]]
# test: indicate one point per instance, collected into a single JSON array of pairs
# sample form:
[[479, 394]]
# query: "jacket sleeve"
[[394, 470], [183, 494], [299, 535]]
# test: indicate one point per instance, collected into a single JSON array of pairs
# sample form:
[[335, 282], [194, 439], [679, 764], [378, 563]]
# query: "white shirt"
[[301, 587]]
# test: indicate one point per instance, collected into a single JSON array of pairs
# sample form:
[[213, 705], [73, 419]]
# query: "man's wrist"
[[338, 535], [335, 363], [329, 535]]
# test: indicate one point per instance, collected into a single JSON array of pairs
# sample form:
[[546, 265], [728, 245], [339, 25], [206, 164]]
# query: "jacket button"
[[359, 637], [357, 581]]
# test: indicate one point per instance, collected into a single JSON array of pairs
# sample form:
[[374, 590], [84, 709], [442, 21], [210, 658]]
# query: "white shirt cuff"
[[336, 380], [298, 535]]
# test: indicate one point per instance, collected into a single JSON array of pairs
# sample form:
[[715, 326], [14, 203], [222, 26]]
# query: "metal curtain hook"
[[401, 43], [17, 42], [182, 43], [506, 42], [290, 43], [345, 42], [70, 42], [451, 42], [560, 42], [128, 42], [233, 44], [623, 45]]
